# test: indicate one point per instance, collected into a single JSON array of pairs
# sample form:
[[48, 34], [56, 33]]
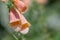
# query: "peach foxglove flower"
[[14, 18], [20, 5], [25, 25]]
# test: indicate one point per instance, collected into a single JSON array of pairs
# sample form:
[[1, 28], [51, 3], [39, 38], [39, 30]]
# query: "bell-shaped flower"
[[20, 5]]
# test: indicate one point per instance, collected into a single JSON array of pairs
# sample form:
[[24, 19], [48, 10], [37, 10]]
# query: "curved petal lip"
[[25, 31]]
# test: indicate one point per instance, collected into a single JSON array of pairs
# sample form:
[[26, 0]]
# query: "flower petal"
[[25, 31], [24, 23]]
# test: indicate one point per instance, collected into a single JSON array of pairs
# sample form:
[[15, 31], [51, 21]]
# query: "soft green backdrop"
[[44, 19]]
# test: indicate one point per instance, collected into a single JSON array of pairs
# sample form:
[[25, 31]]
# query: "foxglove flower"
[[14, 18], [20, 5]]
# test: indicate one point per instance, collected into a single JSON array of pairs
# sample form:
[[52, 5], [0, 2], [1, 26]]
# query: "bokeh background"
[[44, 17]]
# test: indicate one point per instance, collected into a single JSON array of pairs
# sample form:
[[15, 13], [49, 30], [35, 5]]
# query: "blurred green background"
[[44, 19]]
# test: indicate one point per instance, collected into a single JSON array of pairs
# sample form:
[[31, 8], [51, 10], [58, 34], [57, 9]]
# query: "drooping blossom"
[[20, 5], [14, 18]]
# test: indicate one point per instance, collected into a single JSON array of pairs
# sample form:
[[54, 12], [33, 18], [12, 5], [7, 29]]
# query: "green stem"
[[15, 37], [22, 37]]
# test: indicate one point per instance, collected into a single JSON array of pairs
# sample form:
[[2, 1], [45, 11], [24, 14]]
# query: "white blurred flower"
[[42, 1], [4, 1]]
